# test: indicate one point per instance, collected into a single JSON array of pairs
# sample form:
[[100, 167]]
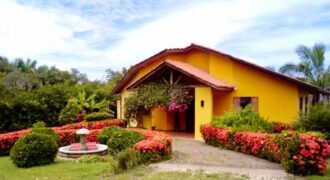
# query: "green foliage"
[[39, 124], [107, 133], [48, 131], [69, 113], [96, 116], [128, 159], [317, 119], [312, 67], [91, 159], [33, 149], [121, 140], [30, 93], [245, 119]]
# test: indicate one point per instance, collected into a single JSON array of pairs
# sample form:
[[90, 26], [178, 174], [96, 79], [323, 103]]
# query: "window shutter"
[[237, 103], [254, 103]]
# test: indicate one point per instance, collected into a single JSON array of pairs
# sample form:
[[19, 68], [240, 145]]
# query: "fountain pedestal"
[[83, 141], [77, 150]]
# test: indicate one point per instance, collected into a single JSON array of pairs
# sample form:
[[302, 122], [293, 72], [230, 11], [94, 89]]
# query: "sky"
[[95, 35]]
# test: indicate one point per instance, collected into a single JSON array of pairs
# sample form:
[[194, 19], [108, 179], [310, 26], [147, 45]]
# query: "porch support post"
[[203, 108]]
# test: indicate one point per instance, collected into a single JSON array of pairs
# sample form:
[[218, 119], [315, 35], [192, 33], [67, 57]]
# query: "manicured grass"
[[64, 169], [61, 169]]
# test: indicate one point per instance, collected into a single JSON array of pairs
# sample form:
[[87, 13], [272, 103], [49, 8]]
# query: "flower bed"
[[67, 133], [298, 153]]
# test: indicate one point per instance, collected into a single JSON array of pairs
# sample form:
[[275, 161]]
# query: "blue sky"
[[93, 36]]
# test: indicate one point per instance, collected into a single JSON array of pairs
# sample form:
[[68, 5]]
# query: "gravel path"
[[196, 155]]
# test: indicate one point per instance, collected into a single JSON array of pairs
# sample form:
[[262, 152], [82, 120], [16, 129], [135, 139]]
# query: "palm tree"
[[25, 66], [311, 67]]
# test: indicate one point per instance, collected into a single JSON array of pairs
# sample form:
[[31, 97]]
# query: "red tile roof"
[[192, 71], [134, 69]]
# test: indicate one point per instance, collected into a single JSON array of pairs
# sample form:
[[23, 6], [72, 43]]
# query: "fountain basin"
[[65, 151]]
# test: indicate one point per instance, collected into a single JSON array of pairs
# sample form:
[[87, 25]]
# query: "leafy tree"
[[5, 66], [311, 67]]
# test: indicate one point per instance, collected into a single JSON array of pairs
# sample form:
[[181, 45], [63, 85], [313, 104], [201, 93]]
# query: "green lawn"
[[63, 169]]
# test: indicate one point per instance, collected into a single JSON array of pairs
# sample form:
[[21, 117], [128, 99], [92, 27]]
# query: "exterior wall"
[[272, 92], [222, 102], [203, 115]]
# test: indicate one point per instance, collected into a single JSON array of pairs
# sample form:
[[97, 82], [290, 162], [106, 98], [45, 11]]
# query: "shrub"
[[33, 149], [279, 127], [48, 131], [152, 151], [317, 119], [108, 132], [298, 153], [128, 159], [245, 119], [122, 140], [91, 159], [69, 113], [7, 140], [98, 116], [39, 124]]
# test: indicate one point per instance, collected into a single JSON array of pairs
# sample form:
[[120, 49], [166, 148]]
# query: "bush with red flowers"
[[298, 153], [156, 147], [279, 127], [152, 151]]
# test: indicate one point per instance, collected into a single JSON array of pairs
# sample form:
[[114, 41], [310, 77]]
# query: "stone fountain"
[[77, 150]]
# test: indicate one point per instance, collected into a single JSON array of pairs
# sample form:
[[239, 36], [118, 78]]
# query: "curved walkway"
[[196, 155]]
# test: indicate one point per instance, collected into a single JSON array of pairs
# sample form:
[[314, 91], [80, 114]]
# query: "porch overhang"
[[188, 70]]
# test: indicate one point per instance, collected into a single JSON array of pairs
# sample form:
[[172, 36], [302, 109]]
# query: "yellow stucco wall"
[[203, 115], [277, 99]]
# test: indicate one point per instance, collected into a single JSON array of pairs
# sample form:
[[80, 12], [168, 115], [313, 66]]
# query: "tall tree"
[[311, 67], [25, 66]]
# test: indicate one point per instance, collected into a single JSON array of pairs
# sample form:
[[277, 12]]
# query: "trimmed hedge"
[[298, 153], [48, 131], [34, 149], [97, 116]]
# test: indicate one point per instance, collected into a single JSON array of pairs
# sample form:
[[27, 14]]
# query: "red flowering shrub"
[[298, 153], [7, 140], [156, 147], [279, 127], [67, 133], [93, 125], [152, 151]]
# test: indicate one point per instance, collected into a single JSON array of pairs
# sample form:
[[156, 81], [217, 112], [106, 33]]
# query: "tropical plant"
[[89, 103], [312, 67], [25, 66]]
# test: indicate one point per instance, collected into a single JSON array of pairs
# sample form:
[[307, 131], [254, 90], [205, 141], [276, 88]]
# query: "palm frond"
[[289, 69]]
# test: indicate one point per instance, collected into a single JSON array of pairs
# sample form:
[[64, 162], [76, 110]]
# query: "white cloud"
[[94, 36]]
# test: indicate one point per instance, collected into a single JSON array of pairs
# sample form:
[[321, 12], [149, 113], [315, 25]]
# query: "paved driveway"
[[196, 155]]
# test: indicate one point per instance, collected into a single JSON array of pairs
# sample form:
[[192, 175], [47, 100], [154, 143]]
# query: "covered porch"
[[201, 87]]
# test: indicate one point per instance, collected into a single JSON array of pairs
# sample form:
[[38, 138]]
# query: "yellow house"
[[220, 83]]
